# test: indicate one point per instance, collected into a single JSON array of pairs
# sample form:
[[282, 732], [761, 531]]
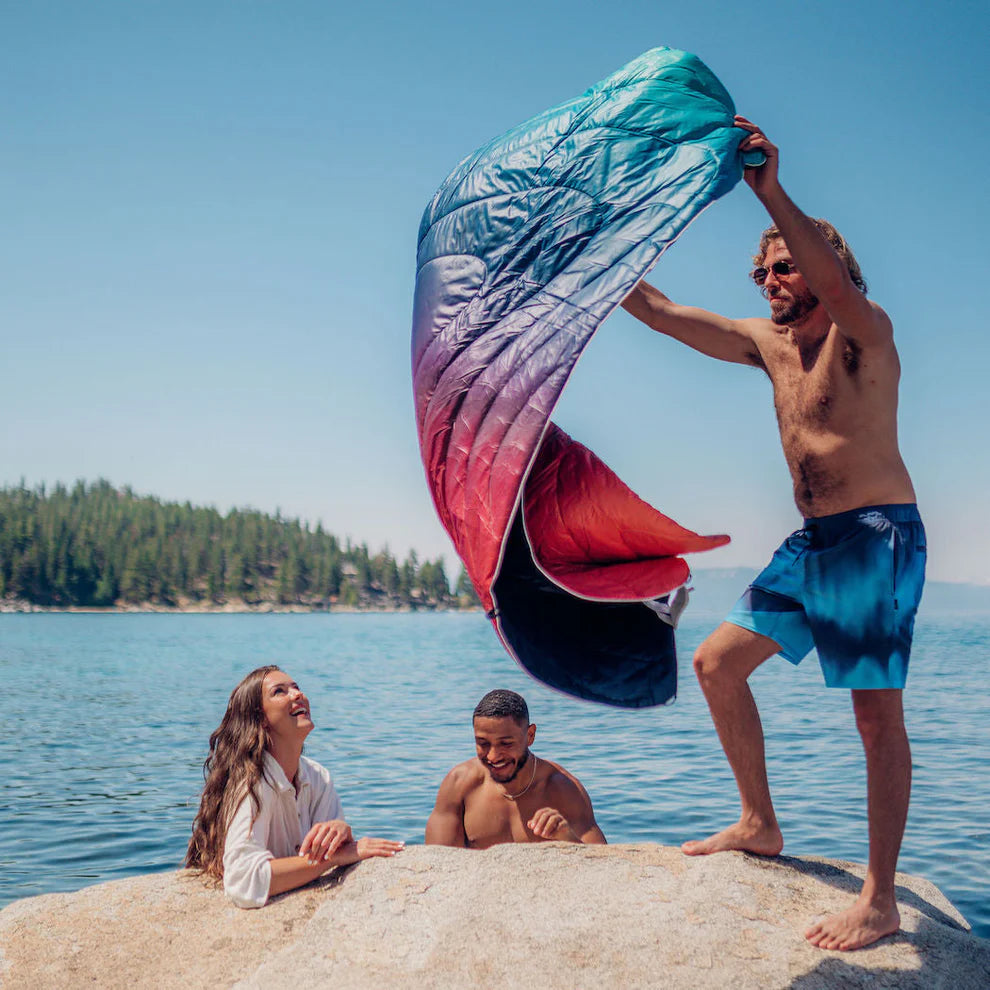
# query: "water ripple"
[[110, 785]]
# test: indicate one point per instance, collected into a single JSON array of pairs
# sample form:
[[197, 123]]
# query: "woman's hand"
[[368, 847], [324, 839], [365, 848]]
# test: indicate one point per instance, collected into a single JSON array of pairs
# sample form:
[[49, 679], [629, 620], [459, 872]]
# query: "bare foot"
[[860, 925], [765, 840]]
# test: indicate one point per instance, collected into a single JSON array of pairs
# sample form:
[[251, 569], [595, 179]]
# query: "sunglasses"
[[759, 275]]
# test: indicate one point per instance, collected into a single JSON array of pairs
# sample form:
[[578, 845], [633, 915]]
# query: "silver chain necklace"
[[515, 797]]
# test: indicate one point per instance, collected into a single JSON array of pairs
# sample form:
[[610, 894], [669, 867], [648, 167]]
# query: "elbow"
[[434, 837], [247, 903], [248, 884], [594, 837], [636, 301], [438, 831], [643, 303], [444, 837]]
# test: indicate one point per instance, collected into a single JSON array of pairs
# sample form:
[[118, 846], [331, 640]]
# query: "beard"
[[515, 773], [794, 311]]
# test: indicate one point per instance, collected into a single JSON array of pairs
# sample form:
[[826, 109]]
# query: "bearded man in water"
[[848, 583], [508, 793]]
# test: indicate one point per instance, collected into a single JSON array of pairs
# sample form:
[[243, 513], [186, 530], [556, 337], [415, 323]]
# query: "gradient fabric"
[[524, 250]]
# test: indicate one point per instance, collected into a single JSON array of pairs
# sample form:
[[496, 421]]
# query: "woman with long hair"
[[270, 819]]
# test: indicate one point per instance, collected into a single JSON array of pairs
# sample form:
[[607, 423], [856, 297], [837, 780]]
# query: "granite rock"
[[547, 916]]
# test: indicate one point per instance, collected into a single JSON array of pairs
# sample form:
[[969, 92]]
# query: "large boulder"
[[533, 917]]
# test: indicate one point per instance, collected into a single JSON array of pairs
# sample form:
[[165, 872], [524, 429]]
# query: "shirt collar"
[[276, 775]]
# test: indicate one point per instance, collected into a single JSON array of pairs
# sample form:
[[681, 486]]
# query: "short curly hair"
[[830, 234], [503, 704]]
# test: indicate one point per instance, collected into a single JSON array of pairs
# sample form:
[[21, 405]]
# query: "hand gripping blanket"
[[524, 250]]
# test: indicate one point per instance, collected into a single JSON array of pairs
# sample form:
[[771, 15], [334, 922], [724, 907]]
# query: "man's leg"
[[723, 664], [880, 720]]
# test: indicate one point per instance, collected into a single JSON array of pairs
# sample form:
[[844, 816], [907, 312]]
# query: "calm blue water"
[[106, 720]]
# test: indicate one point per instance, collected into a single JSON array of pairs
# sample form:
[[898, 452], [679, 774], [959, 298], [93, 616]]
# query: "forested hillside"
[[96, 545]]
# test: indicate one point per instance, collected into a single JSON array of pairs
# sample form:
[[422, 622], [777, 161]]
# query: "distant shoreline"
[[231, 608]]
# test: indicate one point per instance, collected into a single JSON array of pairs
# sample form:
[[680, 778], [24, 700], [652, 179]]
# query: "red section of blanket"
[[593, 535]]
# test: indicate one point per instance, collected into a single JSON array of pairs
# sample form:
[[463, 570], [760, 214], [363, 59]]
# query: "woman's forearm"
[[290, 872]]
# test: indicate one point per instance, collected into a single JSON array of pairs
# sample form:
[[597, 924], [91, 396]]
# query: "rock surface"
[[550, 916]]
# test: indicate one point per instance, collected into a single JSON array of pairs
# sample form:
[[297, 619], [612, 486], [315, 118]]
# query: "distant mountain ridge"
[[716, 590]]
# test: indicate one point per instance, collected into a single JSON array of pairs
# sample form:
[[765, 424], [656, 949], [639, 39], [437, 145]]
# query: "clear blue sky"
[[209, 228]]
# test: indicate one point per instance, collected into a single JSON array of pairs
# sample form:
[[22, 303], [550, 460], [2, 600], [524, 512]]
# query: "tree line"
[[100, 546]]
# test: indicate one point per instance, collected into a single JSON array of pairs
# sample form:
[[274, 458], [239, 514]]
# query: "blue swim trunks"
[[849, 586]]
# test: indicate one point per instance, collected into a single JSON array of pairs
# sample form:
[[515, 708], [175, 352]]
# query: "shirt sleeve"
[[247, 872]]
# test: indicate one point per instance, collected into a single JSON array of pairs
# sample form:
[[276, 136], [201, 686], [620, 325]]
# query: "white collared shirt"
[[283, 820]]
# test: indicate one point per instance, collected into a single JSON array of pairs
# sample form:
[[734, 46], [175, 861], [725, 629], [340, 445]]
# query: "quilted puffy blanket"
[[524, 250]]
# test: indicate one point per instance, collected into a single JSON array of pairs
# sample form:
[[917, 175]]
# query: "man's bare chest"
[[490, 818], [819, 389]]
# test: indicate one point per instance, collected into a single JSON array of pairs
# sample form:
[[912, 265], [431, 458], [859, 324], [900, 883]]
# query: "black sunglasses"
[[759, 275]]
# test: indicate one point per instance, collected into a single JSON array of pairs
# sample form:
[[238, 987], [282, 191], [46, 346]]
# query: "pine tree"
[[98, 545]]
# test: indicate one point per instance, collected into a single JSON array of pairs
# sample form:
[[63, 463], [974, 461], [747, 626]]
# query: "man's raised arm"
[[824, 271], [711, 334]]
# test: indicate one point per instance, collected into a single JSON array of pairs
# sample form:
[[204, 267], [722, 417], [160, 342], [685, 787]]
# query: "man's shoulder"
[[876, 330], [562, 781], [862, 323], [464, 776], [758, 324], [762, 330], [763, 335]]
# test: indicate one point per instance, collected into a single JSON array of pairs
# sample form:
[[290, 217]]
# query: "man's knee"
[[709, 663], [879, 716], [729, 655]]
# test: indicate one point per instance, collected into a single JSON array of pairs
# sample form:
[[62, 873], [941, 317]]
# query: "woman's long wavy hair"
[[234, 768]]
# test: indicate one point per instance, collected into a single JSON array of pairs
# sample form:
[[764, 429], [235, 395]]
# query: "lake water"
[[106, 720]]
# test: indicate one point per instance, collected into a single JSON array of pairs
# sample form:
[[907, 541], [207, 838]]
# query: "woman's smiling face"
[[286, 708]]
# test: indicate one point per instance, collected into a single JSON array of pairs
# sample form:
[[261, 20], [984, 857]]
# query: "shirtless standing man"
[[509, 794], [849, 582]]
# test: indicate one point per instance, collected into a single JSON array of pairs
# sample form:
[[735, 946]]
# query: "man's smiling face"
[[502, 745]]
